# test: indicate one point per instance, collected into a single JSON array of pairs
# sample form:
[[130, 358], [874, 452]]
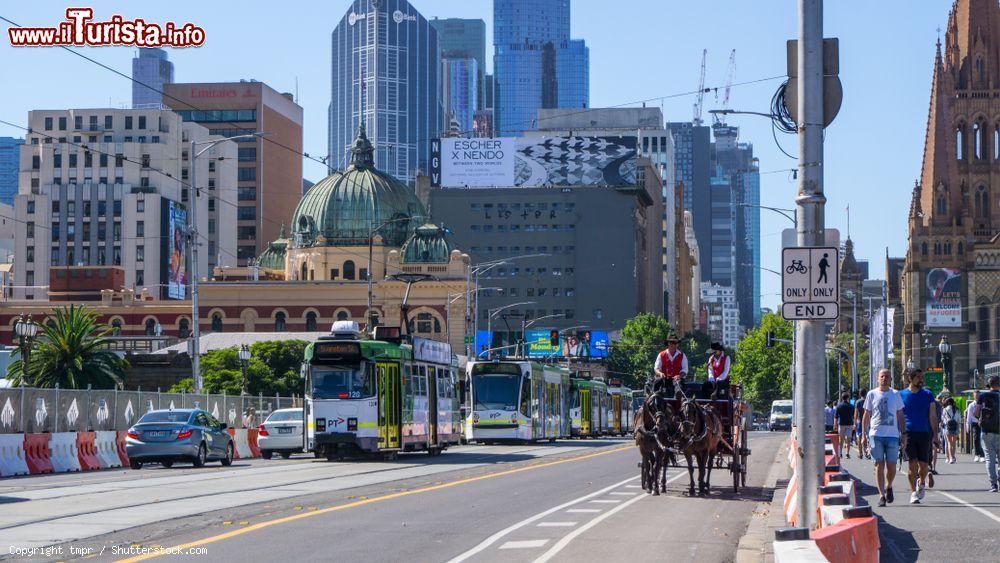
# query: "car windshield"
[[165, 416], [781, 409], [285, 416], [496, 392], [354, 382]]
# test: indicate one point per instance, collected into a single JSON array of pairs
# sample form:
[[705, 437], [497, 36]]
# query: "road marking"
[[523, 544], [970, 505], [625, 494], [607, 501], [556, 524], [584, 510], [633, 486], [301, 515], [493, 539], [555, 549]]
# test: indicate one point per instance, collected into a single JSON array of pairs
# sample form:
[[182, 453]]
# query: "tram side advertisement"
[[944, 298]]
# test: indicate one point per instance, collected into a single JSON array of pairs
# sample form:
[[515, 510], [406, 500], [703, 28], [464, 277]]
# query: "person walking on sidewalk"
[[920, 413], [988, 413], [974, 430], [830, 414], [949, 421], [859, 415], [884, 424], [845, 424]]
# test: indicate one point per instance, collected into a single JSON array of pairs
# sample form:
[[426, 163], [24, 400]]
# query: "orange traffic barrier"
[[120, 444], [853, 540], [236, 451], [252, 434], [87, 451], [37, 454], [835, 440]]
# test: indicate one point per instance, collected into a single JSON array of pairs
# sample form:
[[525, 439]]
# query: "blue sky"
[[638, 50]]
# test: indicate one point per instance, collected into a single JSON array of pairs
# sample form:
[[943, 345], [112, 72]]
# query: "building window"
[[311, 321], [334, 273], [216, 322], [183, 328], [342, 316], [960, 142], [142, 122], [247, 174], [279, 322], [140, 253], [62, 127], [349, 270], [116, 327], [984, 329], [48, 123], [140, 205], [150, 327], [140, 228], [304, 272], [140, 278], [982, 202], [108, 124], [128, 121]]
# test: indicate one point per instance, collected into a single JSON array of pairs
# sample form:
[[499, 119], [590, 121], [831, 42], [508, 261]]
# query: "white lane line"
[[970, 505], [556, 524], [607, 501], [625, 494], [523, 544], [492, 539], [584, 510], [633, 486], [555, 549]]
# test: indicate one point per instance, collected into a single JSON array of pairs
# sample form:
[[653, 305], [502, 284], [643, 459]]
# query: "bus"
[[517, 401], [379, 396]]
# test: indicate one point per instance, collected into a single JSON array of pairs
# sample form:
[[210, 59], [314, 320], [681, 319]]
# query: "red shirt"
[[672, 366]]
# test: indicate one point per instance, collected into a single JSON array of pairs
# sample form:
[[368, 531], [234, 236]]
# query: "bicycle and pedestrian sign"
[[810, 283]]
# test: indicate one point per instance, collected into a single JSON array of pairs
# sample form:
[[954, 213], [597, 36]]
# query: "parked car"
[[171, 435], [281, 433]]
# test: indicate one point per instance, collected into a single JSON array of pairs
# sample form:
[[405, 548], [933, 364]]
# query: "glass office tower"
[[150, 71], [460, 78], [386, 70], [10, 148], [464, 39], [536, 64]]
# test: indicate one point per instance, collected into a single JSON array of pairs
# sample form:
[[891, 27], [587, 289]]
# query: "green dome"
[[273, 257], [344, 206], [427, 245]]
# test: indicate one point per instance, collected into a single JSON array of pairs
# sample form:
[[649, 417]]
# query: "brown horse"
[[656, 430], [701, 431]]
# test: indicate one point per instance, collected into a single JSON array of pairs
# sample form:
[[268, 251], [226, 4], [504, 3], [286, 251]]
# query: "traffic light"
[[770, 339], [554, 338]]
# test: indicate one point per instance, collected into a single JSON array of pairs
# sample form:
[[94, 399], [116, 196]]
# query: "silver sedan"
[[168, 436]]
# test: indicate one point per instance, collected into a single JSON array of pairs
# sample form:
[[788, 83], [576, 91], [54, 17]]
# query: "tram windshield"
[[342, 382], [496, 386]]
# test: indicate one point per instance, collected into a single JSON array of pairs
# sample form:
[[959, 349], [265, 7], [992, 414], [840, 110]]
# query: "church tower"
[[951, 280]]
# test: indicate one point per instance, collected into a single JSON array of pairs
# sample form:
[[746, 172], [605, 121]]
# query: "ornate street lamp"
[[26, 330], [945, 348], [244, 355]]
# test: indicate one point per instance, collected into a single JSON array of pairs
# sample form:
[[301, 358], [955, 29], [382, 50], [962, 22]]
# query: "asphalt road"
[[512, 503]]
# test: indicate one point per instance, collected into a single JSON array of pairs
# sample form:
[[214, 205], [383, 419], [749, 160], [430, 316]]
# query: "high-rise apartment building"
[[110, 187], [150, 71], [9, 150], [269, 174], [722, 317], [464, 39], [386, 71], [536, 64], [459, 79]]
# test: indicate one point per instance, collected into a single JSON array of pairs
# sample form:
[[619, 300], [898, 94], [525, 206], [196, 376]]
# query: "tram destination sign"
[[810, 283]]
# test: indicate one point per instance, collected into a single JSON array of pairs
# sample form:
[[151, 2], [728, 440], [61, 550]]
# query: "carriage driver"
[[718, 373], [671, 365]]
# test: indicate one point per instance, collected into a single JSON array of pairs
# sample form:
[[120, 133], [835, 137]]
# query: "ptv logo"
[[338, 422]]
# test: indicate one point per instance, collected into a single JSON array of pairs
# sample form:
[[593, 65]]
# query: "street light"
[[492, 313], [244, 355], [526, 325], [779, 210], [371, 247], [478, 270], [945, 348], [193, 237], [25, 329], [854, 340], [775, 272]]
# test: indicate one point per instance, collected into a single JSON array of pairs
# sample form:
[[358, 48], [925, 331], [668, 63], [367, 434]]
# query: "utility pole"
[[885, 328], [193, 242], [811, 231]]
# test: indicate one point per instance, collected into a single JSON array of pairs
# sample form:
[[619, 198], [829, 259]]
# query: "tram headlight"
[[475, 418], [352, 424], [321, 425]]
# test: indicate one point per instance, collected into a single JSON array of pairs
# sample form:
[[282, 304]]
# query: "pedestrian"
[[845, 425], [859, 415], [988, 413], [920, 414], [975, 433], [883, 425], [938, 439], [830, 412], [949, 421]]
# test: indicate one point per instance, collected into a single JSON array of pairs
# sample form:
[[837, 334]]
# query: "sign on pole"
[[810, 283]]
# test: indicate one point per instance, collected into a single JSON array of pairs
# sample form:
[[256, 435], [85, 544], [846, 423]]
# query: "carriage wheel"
[[743, 458], [734, 468]]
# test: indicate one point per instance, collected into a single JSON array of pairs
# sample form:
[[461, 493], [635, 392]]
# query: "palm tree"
[[71, 352]]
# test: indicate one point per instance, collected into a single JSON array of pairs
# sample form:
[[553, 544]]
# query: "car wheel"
[[199, 460], [167, 464], [266, 454], [286, 455], [135, 464], [228, 460]]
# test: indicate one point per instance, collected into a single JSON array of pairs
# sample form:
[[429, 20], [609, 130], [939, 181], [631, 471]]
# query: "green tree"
[[695, 345], [632, 356], [764, 372], [273, 369], [71, 352]]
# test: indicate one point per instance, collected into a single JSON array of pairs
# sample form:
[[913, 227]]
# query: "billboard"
[[944, 298], [540, 344], [582, 344], [427, 350], [533, 162], [176, 255]]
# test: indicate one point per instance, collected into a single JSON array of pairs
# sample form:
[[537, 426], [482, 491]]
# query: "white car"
[[281, 433]]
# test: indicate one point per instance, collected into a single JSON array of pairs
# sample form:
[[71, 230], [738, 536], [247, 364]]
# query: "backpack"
[[989, 416]]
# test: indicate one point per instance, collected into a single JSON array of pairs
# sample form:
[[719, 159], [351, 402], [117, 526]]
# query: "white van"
[[781, 416]]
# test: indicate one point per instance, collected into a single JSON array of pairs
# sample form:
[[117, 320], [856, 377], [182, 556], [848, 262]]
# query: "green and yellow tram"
[[379, 396], [517, 401], [622, 412], [591, 407]]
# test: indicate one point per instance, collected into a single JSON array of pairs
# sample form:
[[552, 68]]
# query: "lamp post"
[[244, 355], [26, 330], [193, 238], [945, 348], [493, 313], [478, 270], [453, 297], [853, 296]]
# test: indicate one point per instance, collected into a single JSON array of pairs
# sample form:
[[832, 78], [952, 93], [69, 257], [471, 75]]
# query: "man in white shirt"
[[884, 424], [975, 433]]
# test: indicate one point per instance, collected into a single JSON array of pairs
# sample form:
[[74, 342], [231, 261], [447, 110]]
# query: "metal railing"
[[33, 410]]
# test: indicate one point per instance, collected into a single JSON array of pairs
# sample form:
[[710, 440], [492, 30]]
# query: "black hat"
[[672, 339], [717, 346]]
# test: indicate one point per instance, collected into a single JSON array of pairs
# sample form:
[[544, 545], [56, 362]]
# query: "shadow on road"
[[897, 544], [11, 500]]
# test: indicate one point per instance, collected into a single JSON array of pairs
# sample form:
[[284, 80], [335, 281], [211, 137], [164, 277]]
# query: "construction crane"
[[730, 75], [701, 91]]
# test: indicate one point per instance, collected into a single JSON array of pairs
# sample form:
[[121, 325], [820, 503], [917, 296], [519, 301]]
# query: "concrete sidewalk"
[[957, 520]]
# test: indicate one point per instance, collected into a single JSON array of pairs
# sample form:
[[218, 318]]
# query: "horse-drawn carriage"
[[709, 432]]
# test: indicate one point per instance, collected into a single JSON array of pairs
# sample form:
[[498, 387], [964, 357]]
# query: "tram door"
[[616, 413], [432, 406], [586, 414], [389, 404]]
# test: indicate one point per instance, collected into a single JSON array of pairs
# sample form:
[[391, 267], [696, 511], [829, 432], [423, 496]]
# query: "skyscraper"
[[8, 168], [464, 39], [693, 167], [150, 71], [389, 76], [459, 79], [536, 64]]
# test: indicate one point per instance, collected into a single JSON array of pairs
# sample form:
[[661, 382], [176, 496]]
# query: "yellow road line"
[[285, 519]]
